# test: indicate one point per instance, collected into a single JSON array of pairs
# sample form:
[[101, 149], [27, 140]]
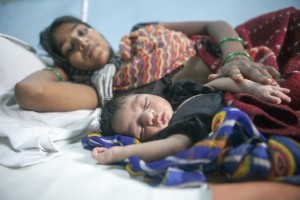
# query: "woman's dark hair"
[[108, 112], [47, 38]]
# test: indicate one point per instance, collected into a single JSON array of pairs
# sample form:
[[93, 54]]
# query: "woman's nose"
[[80, 42]]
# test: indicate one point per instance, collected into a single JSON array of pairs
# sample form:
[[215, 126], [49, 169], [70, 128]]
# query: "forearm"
[[220, 30], [267, 93], [217, 30], [42, 92], [255, 190], [189, 28], [229, 85], [155, 150]]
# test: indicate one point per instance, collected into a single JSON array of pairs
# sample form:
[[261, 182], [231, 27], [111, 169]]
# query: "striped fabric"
[[149, 53]]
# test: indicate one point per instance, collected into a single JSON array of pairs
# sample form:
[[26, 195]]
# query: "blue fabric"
[[235, 149]]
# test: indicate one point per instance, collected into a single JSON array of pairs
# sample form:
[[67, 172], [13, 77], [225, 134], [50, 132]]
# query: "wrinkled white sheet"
[[28, 137], [74, 175]]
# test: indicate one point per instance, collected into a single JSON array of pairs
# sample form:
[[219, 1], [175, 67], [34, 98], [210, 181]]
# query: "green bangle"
[[55, 72], [231, 39], [235, 54]]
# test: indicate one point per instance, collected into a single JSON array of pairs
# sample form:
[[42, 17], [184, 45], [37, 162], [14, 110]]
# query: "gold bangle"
[[55, 72]]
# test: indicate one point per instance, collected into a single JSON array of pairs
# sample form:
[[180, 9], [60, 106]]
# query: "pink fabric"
[[150, 53]]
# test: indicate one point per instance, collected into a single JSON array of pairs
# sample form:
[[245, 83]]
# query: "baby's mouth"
[[164, 118]]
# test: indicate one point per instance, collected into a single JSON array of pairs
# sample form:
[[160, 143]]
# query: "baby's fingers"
[[281, 95], [97, 151], [281, 89]]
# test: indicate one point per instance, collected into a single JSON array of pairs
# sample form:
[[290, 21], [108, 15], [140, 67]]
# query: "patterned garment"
[[235, 149], [150, 53]]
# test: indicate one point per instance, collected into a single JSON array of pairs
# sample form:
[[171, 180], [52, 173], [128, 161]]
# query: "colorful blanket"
[[235, 150]]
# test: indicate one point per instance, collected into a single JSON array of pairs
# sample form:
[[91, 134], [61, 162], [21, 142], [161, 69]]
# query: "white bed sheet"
[[75, 175]]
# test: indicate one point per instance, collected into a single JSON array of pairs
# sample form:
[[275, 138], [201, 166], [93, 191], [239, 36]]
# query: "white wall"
[[26, 18]]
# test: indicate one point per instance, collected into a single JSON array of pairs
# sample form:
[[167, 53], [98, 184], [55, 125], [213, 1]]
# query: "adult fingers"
[[257, 75], [273, 72]]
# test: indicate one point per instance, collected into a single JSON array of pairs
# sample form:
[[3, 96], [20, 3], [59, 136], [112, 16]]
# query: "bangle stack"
[[232, 56], [231, 39], [55, 72]]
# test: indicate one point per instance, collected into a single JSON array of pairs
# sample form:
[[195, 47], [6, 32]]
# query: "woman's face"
[[82, 46], [142, 116]]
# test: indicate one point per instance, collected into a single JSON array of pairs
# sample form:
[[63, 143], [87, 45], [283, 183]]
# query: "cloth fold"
[[102, 80], [28, 137], [268, 118]]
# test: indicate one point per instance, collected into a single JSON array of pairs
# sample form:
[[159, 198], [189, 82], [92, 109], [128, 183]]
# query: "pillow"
[[17, 61]]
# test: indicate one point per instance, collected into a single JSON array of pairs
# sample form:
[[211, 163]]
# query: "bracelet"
[[55, 72], [231, 39], [232, 56]]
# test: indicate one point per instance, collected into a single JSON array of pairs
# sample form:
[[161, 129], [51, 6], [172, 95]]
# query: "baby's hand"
[[270, 93], [104, 156]]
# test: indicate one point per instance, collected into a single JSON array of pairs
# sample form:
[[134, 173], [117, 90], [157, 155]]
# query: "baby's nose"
[[151, 118]]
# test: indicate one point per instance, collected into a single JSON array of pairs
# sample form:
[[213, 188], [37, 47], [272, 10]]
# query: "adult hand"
[[241, 68]]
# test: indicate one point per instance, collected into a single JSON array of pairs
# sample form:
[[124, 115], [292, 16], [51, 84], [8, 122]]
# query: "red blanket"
[[274, 39]]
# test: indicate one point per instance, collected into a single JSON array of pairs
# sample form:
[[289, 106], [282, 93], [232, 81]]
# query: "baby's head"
[[142, 116]]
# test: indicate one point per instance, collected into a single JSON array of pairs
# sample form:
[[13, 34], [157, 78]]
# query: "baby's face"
[[142, 116]]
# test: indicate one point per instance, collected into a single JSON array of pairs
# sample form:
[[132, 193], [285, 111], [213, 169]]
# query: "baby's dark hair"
[[108, 112], [47, 38]]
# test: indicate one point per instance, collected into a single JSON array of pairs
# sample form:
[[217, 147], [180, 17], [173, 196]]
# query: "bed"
[[41, 154]]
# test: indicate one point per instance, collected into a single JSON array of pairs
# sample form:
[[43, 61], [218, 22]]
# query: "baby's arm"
[[268, 93], [148, 151]]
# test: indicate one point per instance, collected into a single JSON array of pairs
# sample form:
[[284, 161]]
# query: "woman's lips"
[[90, 50]]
